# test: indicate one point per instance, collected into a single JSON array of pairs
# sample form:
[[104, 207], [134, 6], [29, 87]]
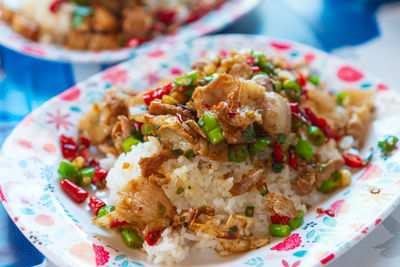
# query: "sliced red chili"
[[157, 93], [84, 141], [250, 60], [68, 147], [138, 125], [302, 80], [292, 160], [255, 69], [278, 154], [116, 223], [352, 160], [321, 123], [95, 204], [278, 219], [99, 174], [55, 6], [85, 154], [77, 193], [179, 116], [294, 106], [152, 238]]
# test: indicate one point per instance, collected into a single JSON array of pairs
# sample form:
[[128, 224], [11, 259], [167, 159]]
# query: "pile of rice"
[[204, 184]]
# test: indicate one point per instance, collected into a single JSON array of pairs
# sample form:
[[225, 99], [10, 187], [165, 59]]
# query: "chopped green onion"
[[105, 210], [279, 230], [304, 150], [177, 152], [297, 222], [207, 123], [249, 133], [67, 170], [161, 208], [215, 136], [129, 142], [156, 127], [316, 135], [292, 90], [146, 129], [314, 80], [281, 138], [341, 97], [388, 144], [132, 238], [180, 190], [239, 153], [261, 61], [277, 167], [263, 190], [249, 212], [234, 229], [189, 153], [260, 144]]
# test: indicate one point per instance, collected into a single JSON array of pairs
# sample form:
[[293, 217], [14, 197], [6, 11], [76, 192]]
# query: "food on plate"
[[221, 158], [101, 24]]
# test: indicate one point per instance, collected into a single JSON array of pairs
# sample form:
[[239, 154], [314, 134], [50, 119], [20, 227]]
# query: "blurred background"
[[365, 32]]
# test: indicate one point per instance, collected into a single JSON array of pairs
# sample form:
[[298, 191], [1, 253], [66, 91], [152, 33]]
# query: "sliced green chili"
[[316, 135], [105, 210], [238, 153], [279, 230], [260, 144], [277, 167], [67, 170], [304, 150], [314, 80], [129, 142], [297, 222], [388, 144], [249, 133], [292, 90], [132, 238], [177, 152], [189, 153]]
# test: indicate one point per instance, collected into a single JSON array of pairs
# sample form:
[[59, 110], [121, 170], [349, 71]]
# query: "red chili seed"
[[278, 154], [68, 147], [116, 223], [152, 238], [95, 204], [77, 193]]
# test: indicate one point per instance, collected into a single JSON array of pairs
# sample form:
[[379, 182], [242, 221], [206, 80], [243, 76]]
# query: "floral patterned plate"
[[62, 230], [214, 21]]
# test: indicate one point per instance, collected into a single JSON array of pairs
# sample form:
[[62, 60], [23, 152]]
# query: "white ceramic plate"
[[62, 230], [216, 20]]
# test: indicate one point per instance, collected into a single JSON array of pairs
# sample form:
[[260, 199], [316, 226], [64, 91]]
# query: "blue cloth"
[[25, 82]]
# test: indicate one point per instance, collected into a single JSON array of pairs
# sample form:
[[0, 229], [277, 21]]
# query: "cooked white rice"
[[207, 184]]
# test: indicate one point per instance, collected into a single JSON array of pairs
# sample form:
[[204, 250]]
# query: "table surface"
[[361, 31]]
